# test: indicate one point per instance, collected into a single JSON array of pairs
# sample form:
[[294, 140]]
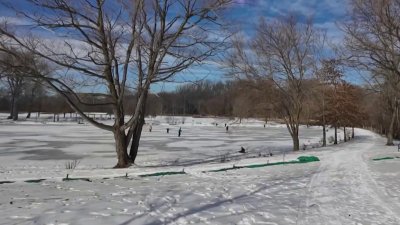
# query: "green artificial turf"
[[161, 174], [301, 159]]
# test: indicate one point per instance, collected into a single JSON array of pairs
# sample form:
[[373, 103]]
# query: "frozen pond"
[[29, 144]]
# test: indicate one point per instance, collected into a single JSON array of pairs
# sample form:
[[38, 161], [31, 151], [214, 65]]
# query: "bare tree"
[[330, 76], [15, 82], [387, 84], [373, 41], [34, 90], [116, 46], [284, 51]]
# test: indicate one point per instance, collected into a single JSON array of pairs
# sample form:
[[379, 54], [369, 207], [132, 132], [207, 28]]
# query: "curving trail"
[[343, 191]]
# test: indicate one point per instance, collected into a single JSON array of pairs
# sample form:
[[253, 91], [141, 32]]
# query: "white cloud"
[[16, 21]]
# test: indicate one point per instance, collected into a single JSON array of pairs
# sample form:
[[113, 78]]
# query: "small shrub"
[[170, 120], [71, 165], [224, 158]]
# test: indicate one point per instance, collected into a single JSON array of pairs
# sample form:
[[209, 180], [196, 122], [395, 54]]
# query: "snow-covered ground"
[[345, 187]]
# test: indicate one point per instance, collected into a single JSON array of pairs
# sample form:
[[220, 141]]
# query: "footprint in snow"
[[314, 205]]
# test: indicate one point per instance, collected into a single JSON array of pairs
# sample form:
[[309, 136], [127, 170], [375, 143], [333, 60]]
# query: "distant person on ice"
[[167, 130], [150, 127], [179, 131], [227, 128], [242, 150]]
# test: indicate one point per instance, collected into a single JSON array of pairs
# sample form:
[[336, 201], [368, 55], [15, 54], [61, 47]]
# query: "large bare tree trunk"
[[345, 135], [15, 108], [295, 138], [136, 139], [389, 134], [121, 149], [137, 131], [296, 142], [12, 107], [31, 100]]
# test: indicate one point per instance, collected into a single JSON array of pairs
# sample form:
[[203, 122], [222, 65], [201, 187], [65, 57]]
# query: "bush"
[[224, 158], [71, 165]]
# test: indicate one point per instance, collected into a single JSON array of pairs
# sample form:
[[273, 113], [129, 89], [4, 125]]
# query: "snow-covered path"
[[343, 190]]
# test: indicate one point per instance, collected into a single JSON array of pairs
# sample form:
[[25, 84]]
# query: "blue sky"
[[325, 13], [245, 14]]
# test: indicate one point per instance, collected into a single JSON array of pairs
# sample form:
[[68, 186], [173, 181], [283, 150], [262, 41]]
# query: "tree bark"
[[345, 135], [352, 133], [136, 139], [121, 149], [296, 141], [137, 132], [389, 134], [15, 109], [31, 103], [12, 107], [293, 129]]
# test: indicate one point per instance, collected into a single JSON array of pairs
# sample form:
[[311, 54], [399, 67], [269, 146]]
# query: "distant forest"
[[239, 98]]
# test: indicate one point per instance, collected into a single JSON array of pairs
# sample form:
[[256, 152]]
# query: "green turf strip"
[[6, 182], [74, 179], [386, 158], [301, 159], [161, 174], [306, 159], [34, 181]]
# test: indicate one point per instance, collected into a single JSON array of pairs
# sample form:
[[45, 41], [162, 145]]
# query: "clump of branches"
[[71, 165]]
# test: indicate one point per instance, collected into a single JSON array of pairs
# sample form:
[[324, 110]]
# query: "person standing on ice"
[[150, 128], [227, 129], [167, 130], [179, 131]]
